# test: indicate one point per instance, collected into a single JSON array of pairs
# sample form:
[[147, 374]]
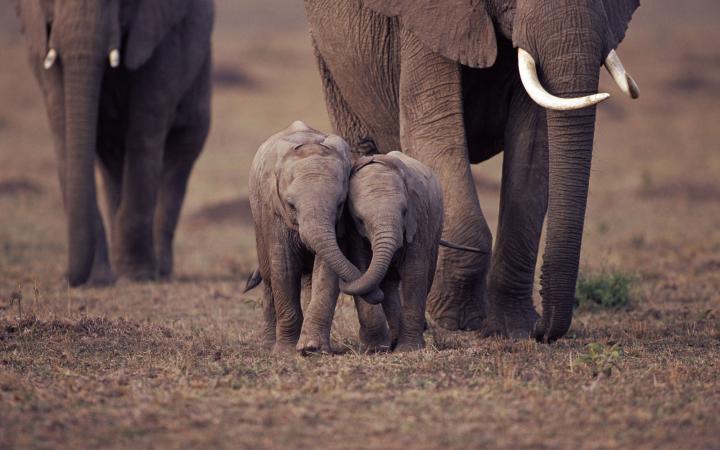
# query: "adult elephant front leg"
[[523, 203], [432, 131], [183, 146], [134, 253]]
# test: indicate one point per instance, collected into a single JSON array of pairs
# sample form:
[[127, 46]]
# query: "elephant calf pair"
[[301, 182]]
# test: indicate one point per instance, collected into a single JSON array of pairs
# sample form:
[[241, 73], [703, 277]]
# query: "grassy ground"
[[177, 364]]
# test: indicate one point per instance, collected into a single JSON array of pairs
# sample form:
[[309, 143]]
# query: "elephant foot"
[[102, 276], [409, 345], [374, 341], [284, 348], [165, 264], [311, 343], [453, 310], [510, 318], [137, 275], [137, 271]]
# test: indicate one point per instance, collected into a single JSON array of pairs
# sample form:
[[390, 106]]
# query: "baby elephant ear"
[[151, 22], [460, 30], [415, 193]]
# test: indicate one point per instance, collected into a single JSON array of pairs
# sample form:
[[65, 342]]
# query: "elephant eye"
[[291, 205]]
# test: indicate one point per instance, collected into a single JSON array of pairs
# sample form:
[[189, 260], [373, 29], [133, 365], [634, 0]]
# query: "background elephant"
[[446, 85], [127, 81], [298, 188]]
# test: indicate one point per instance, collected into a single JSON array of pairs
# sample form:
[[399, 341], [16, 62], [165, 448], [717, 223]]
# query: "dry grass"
[[178, 365]]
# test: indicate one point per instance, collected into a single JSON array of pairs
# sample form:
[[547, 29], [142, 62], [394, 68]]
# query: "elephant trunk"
[[385, 243], [82, 80], [321, 238], [570, 138]]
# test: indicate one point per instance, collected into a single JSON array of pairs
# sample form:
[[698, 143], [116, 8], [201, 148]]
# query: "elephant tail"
[[463, 248], [253, 280]]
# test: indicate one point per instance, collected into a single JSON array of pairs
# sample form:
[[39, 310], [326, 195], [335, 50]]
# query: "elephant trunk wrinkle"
[[82, 92], [384, 245], [571, 140]]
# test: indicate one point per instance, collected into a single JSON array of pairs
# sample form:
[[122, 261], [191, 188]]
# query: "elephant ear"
[[460, 30], [35, 15], [151, 22], [415, 192], [619, 13]]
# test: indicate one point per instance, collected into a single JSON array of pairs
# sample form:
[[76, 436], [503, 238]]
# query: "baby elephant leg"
[[415, 287], [392, 308], [374, 335], [315, 334]]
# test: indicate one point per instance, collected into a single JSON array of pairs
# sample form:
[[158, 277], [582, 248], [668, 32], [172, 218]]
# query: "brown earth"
[[177, 364]]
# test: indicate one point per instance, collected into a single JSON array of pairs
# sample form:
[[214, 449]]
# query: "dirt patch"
[[18, 186], [694, 191], [228, 211], [692, 83], [231, 76]]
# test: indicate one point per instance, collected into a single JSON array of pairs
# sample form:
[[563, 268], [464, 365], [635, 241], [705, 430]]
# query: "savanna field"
[[178, 364]]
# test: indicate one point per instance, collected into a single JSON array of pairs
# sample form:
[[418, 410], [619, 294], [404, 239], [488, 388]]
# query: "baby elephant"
[[395, 204], [298, 187]]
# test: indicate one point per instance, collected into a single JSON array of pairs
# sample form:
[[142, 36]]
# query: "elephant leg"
[[101, 273], [415, 286], [269, 317], [523, 203], [142, 171], [392, 306], [181, 151], [344, 121], [373, 334], [285, 282], [319, 312], [431, 117]]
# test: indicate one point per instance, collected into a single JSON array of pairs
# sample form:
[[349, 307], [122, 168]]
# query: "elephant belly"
[[112, 117], [487, 95], [361, 51]]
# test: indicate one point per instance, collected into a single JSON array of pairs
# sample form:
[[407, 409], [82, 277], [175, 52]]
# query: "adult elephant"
[[128, 82], [456, 82]]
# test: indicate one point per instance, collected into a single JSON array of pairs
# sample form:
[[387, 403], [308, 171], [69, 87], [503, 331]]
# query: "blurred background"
[[654, 186]]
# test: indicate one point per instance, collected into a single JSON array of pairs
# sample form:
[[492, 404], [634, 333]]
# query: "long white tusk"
[[529, 78], [623, 79], [114, 58], [50, 58]]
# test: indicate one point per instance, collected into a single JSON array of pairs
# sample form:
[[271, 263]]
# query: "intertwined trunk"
[[386, 240]]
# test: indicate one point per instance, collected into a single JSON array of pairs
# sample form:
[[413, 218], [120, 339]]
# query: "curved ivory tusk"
[[114, 58], [623, 79], [529, 78], [50, 58]]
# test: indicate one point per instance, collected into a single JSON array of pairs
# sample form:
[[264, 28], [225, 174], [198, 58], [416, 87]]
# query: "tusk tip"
[[114, 58], [632, 85], [50, 58]]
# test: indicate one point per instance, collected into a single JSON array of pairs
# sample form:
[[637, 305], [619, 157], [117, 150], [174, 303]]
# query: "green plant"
[[601, 359], [606, 289]]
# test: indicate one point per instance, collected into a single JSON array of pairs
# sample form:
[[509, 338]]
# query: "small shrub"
[[600, 359], [606, 290]]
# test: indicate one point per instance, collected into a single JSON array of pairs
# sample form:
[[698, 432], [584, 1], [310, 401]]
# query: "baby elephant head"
[[383, 204], [311, 185]]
